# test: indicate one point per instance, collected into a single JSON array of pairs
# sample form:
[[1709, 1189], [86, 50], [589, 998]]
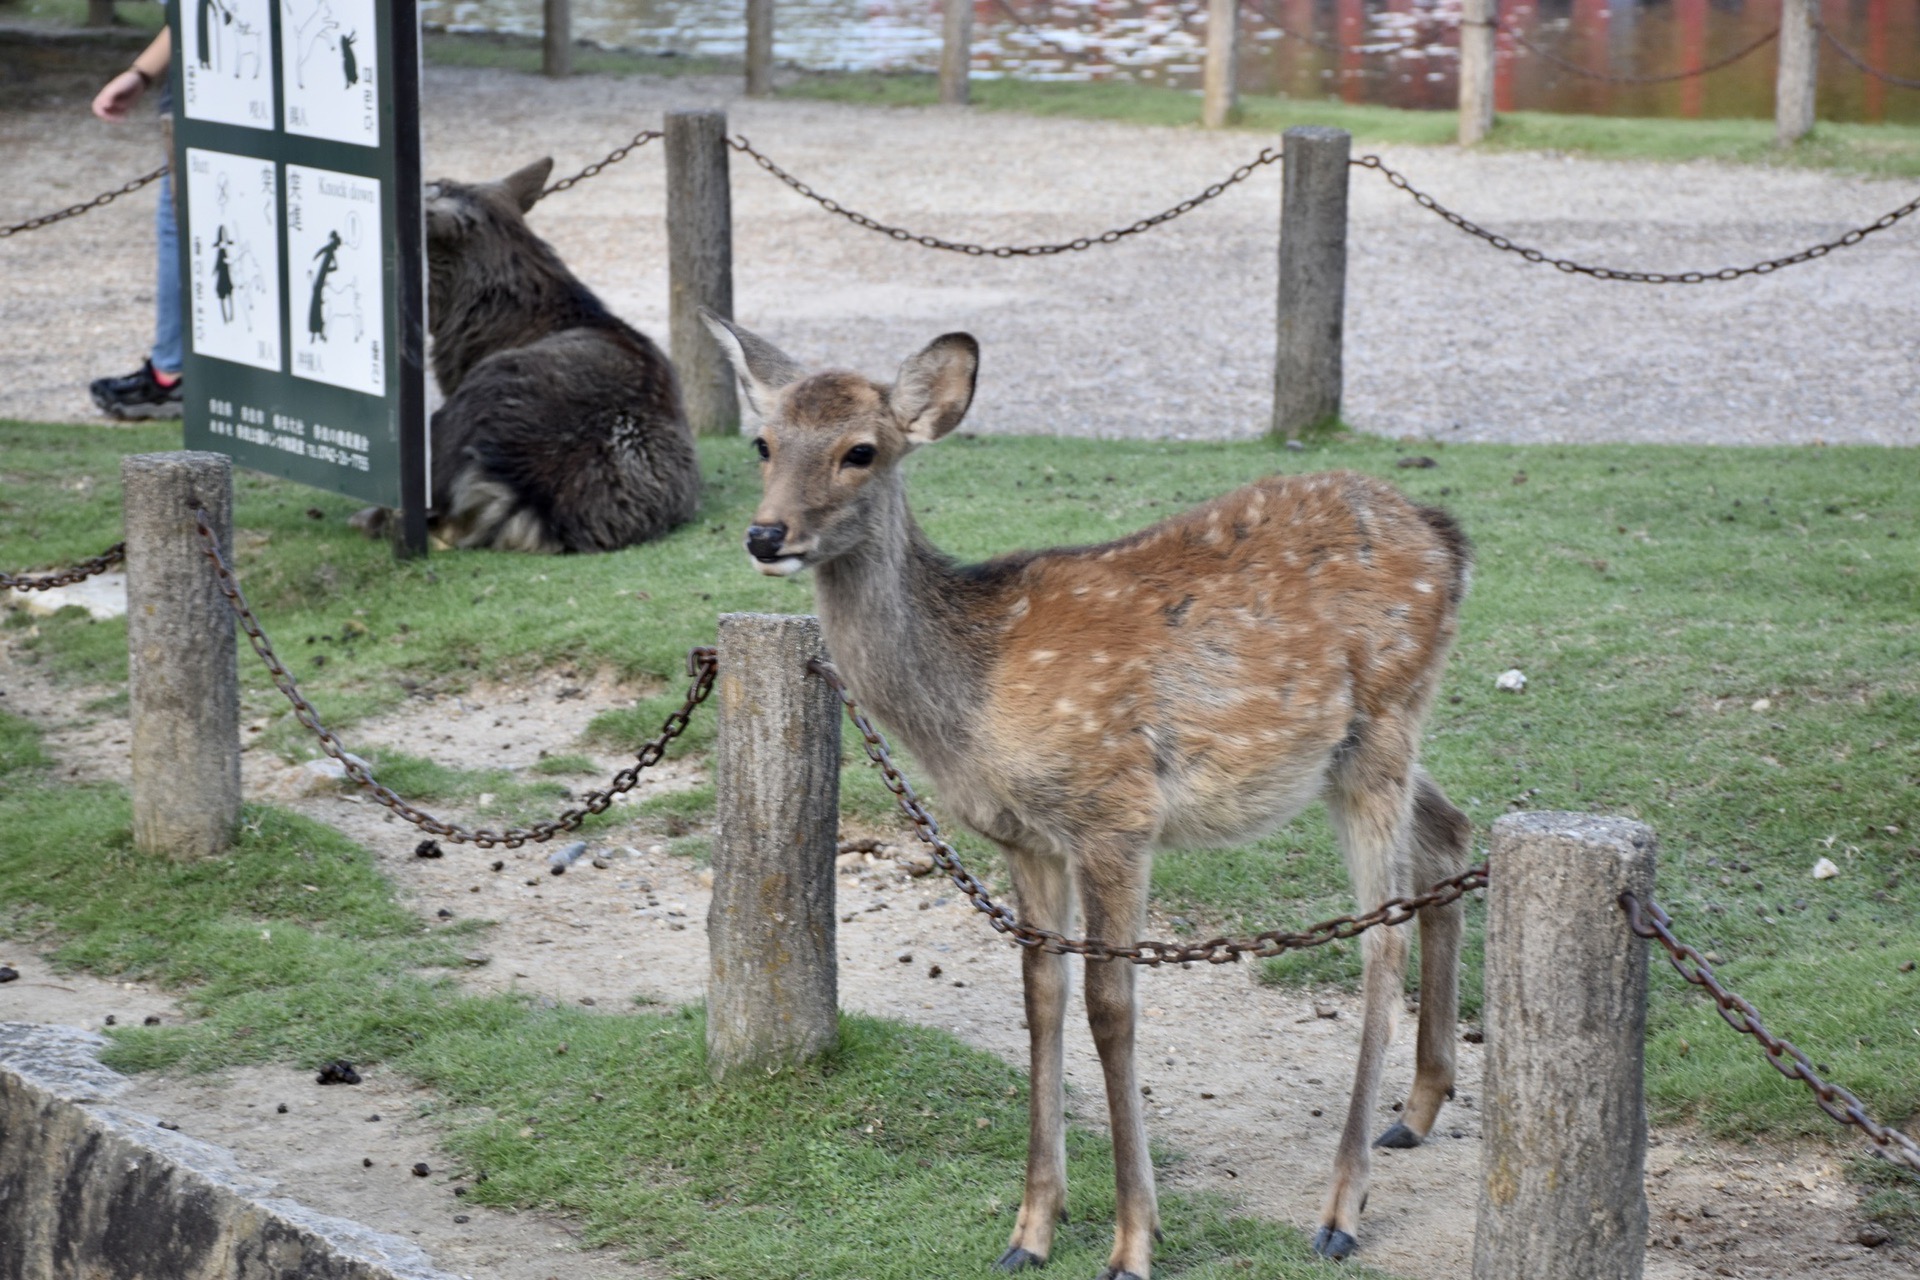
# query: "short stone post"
[[1797, 78], [700, 266], [556, 50], [183, 677], [1313, 279], [1563, 1159], [956, 52], [1477, 20], [773, 975], [100, 13], [759, 48], [1219, 83]]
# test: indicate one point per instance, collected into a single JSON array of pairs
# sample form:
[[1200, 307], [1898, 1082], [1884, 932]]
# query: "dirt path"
[[1249, 1082], [1168, 334]]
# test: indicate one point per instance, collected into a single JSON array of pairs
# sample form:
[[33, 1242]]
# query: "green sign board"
[[296, 169]]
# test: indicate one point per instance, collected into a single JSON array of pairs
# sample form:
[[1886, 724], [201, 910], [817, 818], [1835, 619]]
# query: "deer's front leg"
[[1044, 891], [1115, 900]]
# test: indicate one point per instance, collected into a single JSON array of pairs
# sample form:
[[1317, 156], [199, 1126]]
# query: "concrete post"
[[700, 266], [556, 51], [1797, 78], [183, 677], [759, 48], [1219, 85], [100, 13], [1313, 279], [773, 978], [1477, 19], [956, 52], [1563, 1160]]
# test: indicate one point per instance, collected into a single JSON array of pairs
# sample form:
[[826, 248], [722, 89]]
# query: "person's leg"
[[168, 340]]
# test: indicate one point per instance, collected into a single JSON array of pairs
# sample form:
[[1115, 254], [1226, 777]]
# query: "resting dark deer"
[[563, 428], [1195, 684]]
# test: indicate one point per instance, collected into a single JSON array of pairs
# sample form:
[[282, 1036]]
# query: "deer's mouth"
[[784, 566]]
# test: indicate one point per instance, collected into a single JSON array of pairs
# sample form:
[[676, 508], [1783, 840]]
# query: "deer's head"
[[830, 442]]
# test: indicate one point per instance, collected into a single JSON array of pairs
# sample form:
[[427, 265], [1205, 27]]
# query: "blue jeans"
[[168, 338]]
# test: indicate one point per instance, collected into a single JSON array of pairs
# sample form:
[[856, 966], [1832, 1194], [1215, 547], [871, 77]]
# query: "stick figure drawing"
[[328, 258], [349, 65], [318, 25], [223, 274]]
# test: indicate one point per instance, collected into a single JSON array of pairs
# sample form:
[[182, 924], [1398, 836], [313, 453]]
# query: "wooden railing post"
[[773, 977], [700, 266], [956, 52], [1563, 1156], [759, 48], [183, 676], [1477, 18], [1219, 86], [1797, 79], [556, 50], [1313, 279]]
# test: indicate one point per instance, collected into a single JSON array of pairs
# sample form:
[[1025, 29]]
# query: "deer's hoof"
[[1114, 1273], [1018, 1259], [1333, 1243], [1399, 1137]]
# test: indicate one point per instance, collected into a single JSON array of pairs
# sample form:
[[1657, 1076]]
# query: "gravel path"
[[1167, 334]]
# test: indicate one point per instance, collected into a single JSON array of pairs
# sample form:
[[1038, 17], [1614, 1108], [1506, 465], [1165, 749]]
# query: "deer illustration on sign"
[[1194, 685]]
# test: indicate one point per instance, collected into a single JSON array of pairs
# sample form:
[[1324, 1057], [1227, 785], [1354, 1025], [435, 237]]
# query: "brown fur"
[[1195, 684]]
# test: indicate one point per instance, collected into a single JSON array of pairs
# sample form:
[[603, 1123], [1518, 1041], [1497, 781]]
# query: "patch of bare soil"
[[1248, 1083]]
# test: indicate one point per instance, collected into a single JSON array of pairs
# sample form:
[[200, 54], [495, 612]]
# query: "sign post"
[[297, 170]]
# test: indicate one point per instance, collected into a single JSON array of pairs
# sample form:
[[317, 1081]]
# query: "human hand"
[[115, 101]]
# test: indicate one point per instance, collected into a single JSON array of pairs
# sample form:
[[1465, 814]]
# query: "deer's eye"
[[861, 455], [760, 447]]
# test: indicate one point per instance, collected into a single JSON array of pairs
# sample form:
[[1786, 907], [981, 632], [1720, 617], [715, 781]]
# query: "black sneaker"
[[138, 395]]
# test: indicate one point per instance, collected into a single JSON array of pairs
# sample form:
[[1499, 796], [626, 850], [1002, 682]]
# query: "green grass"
[[897, 1156], [1888, 150], [1653, 595]]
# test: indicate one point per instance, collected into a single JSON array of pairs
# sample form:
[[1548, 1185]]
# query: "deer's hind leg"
[[1370, 799], [1043, 887], [1441, 844]]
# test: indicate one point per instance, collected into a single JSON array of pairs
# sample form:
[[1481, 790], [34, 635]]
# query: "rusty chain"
[[612, 157], [1267, 156], [1650, 921], [1394, 911], [86, 206], [1826, 33], [1661, 78], [701, 667], [1501, 242], [112, 556]]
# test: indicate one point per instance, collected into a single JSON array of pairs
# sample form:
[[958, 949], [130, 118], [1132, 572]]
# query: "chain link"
[[1267, 156], [1214, 950], [112, 556], [701, 668], [1662, 78], [1826, 33], [1501, 242], [1650, 921], [73, 211], [614, 156]]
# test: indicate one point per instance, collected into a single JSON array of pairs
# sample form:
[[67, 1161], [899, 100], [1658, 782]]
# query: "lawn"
[[1722, 643]]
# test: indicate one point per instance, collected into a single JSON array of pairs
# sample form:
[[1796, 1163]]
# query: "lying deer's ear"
[[761, 367], [936, 386], [526, 185]]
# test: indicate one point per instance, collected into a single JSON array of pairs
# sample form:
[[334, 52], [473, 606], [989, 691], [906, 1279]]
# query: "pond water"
[[1400, 53]]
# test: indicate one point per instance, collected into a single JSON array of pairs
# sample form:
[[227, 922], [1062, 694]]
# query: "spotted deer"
[[1195, 684]]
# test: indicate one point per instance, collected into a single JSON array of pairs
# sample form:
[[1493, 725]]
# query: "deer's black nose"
[[765, 540]]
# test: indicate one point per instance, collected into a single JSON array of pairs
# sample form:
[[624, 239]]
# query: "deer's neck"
[[908, 631]]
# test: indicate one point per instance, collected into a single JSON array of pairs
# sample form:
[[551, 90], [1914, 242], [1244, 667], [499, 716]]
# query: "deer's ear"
[[935, 387], [525, 186], [761, 367]]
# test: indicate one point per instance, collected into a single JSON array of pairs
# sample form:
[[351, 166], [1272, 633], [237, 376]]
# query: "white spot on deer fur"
[[1082, 589], [1040, 657], [1424, 587], [1064, 707], [1018, 609], [1098, 655]]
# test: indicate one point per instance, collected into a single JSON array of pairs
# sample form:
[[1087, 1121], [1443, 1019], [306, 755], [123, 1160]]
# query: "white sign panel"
[[327, 64], [235, 257], [227, 66], [337, 305]]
